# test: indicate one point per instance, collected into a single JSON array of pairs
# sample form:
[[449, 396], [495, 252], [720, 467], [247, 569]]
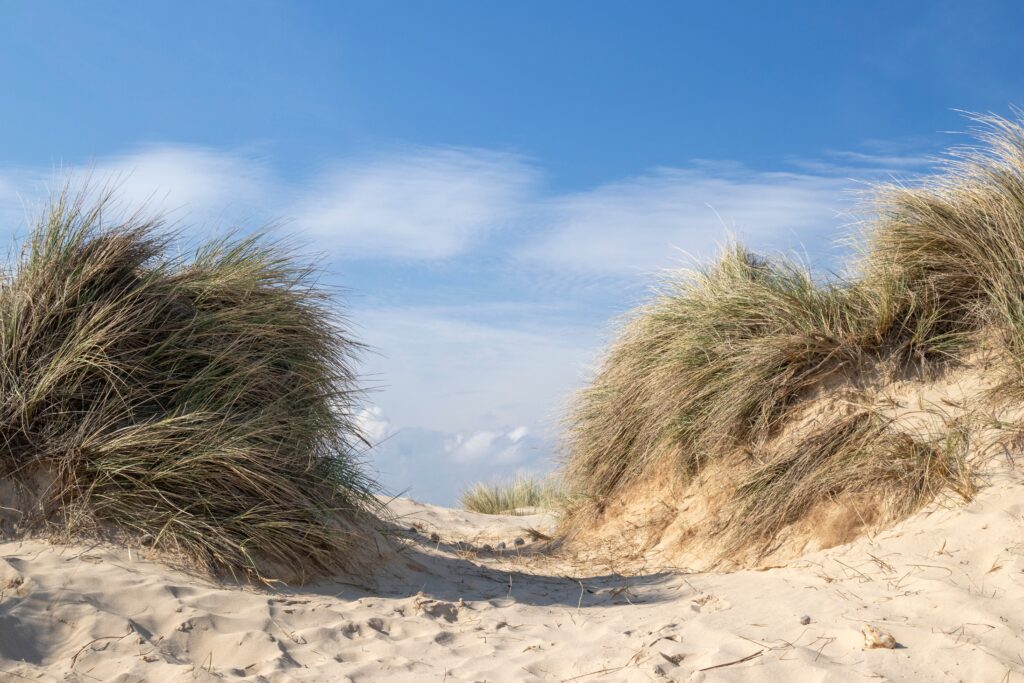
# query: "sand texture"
[[947, 585]]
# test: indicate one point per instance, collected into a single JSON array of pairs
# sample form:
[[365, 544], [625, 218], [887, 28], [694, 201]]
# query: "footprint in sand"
[[351, 630], [379, 625], [707, 603], [436, 609], [444, 637], [12, 582]]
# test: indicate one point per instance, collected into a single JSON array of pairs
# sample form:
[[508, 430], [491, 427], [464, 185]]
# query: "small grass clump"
[[724, 358], [521, 495], [203, 403]]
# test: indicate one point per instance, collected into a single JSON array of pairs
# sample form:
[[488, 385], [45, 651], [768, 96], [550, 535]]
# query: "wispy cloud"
[[431, 204], [444, 203], [645, 223], [186, 180], [183, 182], [419, 204], [12, 208], [883, 160], [462, 374]]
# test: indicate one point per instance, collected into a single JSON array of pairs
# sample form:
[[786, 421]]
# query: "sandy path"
[[948, 585]]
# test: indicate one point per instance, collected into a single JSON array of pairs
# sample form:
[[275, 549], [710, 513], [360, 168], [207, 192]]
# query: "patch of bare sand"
[[947, 584]]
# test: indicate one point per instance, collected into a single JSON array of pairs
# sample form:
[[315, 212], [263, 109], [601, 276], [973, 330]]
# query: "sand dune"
[[947, 584]]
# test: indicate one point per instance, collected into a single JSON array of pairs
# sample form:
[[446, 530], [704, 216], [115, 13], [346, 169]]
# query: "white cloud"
[[186, 179], [189, 185], [373, 424], [472, 447], [439, 203], [451, 371], [502, 448], [641, 224], [421, 204], [429, 205], [517, 434]]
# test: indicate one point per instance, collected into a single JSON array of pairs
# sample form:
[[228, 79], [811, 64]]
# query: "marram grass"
[[512, 497], [722, 359], [203, 403], [857, 454], [956, 240]]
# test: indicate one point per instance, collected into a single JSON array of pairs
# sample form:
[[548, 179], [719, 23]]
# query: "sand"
[[947, 584]]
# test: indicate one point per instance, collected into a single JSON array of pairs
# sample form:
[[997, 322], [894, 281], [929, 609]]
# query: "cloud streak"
[[445, 203], [419, 205], [187, 180], [644, 223], [431, 204]]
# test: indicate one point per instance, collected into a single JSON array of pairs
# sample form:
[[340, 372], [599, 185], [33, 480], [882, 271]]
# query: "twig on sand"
[[735, 661], [298, 640], [595, 673], [826, 641], [633, 661], [862, 574], [74, 657], [1009, 458]]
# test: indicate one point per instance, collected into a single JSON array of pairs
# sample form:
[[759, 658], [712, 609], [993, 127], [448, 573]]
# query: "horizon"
[[494, 191]]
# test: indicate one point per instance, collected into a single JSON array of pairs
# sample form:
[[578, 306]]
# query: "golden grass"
[[890, 472], [522, 493], [719, 362], [203, 403]]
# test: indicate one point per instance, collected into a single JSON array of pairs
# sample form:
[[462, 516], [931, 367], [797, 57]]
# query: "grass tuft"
[[956, 241], [202, 402], [712, 364], [521, 494]]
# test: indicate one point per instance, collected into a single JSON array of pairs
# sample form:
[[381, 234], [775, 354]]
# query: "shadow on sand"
[[528, 574]]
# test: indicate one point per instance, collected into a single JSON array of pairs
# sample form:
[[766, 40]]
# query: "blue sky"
[[494, 182]]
